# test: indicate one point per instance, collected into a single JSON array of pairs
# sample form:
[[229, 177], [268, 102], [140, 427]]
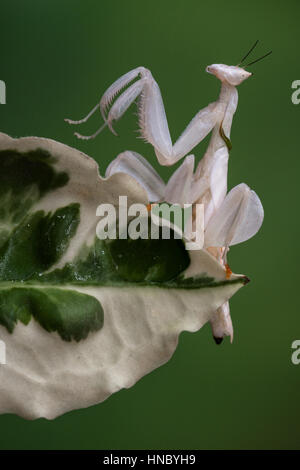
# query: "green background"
[[57, 58]]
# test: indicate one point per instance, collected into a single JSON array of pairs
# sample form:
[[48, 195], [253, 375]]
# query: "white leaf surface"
[[46, 375]]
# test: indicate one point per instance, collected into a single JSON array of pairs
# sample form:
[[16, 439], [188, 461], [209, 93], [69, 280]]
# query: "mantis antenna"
[[248, 53], [260, 58]]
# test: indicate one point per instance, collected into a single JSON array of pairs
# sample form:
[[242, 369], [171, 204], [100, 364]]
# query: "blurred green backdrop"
[[57, 58]]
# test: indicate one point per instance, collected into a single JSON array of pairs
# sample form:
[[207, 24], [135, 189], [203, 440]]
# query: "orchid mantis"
[[229, 218]]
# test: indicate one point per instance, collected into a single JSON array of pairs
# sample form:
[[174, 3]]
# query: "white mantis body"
[[208, 185]]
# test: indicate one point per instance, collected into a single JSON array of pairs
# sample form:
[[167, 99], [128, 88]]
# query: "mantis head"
[[231, 74], [234, 74]]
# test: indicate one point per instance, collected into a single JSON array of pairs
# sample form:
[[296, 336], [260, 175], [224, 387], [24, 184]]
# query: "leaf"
[[81, 317]]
